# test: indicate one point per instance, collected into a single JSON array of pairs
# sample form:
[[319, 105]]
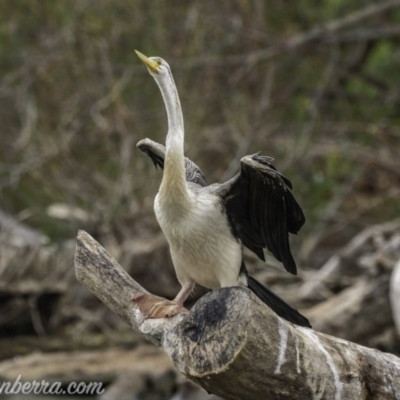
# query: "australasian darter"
[[207, 226]]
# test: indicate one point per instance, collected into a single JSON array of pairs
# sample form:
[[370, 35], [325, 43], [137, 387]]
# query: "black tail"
[[278, 305]]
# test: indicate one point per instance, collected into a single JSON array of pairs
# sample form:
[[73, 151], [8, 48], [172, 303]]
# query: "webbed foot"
[[153, 306]]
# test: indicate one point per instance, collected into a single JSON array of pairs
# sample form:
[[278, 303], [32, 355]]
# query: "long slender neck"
[[173, 185]]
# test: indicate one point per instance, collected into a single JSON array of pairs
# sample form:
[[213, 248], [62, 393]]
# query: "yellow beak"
[[150, 64]]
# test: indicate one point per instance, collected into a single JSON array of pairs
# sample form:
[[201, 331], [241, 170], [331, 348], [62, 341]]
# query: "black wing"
[[156, 152], [261, 209]]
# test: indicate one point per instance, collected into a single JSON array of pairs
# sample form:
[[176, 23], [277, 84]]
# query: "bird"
[[206, 226]]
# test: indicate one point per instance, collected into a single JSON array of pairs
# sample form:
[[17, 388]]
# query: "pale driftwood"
[[100, 365], [357, 313], [99, 271], [360, 311], [18, 234], [395, 295], [236, 347], [348, 264]]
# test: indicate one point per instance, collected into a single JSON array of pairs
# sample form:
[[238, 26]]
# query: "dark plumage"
[[260, 204]]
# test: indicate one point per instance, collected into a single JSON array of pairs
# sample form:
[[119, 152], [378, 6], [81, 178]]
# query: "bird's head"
[[156, 65]]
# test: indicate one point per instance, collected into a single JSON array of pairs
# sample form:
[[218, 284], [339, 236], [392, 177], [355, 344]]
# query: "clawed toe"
[[156, 307]]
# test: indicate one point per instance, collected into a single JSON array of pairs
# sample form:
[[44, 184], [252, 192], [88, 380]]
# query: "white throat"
[[174, 193]]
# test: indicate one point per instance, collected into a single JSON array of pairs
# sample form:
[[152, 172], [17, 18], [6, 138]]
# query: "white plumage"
[[202, 247]]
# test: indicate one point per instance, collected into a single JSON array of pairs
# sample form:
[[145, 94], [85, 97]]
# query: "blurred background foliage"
[[314, 84], [75, 100], [274, 77]]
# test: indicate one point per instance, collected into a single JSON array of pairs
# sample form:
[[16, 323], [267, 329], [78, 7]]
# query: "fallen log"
[[234, 346], [97, 366]]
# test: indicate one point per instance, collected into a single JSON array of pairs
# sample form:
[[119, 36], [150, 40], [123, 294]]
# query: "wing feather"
[[156, 152], [261, 207]]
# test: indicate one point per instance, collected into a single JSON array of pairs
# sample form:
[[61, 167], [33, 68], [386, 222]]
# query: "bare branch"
[[99, 271]]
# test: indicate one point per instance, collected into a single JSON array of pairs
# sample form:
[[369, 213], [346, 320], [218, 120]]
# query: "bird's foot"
[[157, 307]]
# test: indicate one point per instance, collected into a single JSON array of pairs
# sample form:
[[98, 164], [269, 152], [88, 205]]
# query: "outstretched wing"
[[156, 152], [261, 209]]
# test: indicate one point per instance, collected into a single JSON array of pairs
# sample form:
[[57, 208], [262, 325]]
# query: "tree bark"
[[233, 345]]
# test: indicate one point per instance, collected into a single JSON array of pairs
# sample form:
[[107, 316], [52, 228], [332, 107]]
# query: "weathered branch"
[[100, 272], [234, 346]]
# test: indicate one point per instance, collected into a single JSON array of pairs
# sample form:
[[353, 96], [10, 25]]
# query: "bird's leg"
[[156, 307], [183, 294]]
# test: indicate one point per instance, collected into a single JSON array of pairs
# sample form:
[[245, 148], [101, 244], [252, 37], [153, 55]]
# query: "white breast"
[[202, 247]]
